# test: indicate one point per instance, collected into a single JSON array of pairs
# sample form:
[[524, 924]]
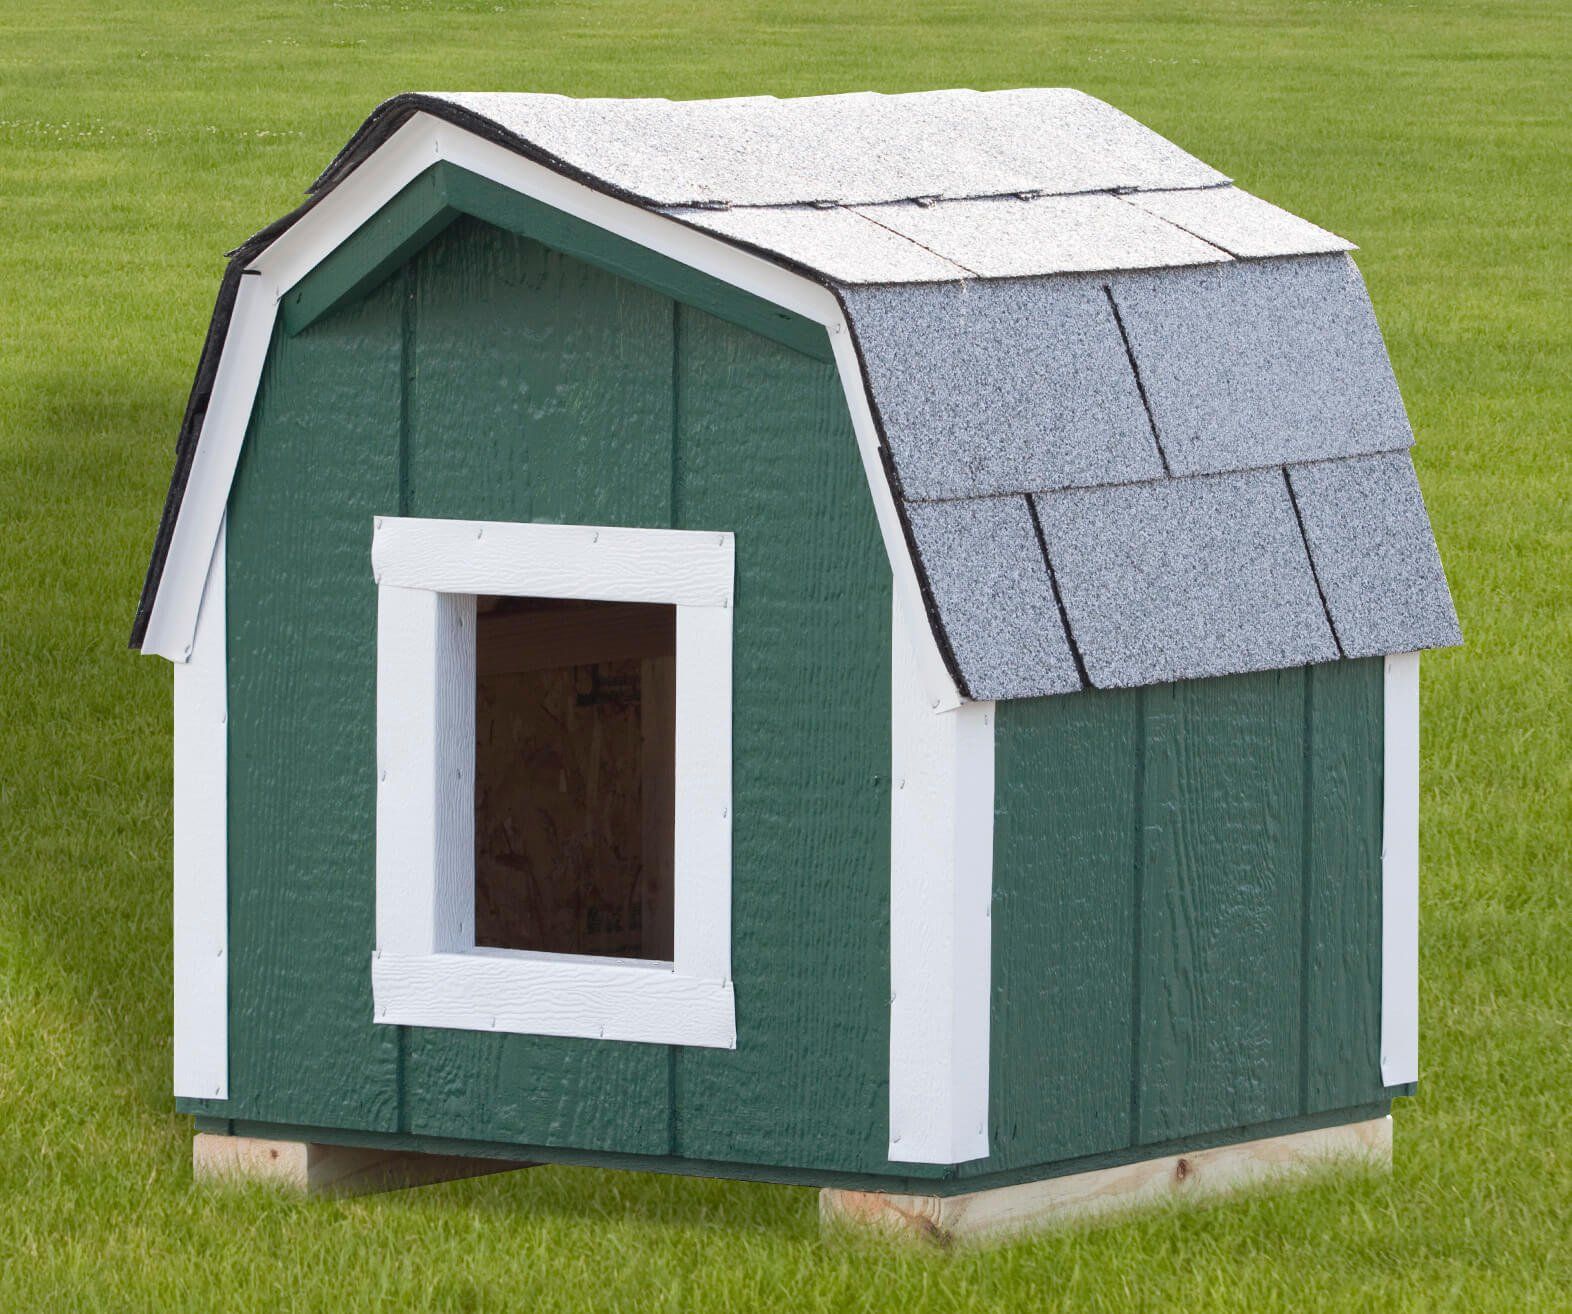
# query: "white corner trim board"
[[418, 143], [427, 969], [1400, 874], [202, 851], [941, 933]]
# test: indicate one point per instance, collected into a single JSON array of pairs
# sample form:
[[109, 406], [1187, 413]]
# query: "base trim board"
[[924, 1179], [1007, 1211], [314, 1168]]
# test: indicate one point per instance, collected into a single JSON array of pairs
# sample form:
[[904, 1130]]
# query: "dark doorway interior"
[[574, 756]]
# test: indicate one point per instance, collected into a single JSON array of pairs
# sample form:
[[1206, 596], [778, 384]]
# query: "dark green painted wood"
[[517, 213], [1343, 885], [446, 191], [383, 244], [540, 389], [319, 463], [1221, 881], [1224, 971], [765, 447], [893, 1182], [1063, 909]]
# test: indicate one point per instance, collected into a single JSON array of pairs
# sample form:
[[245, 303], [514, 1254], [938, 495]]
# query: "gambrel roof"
[[1137, 424]]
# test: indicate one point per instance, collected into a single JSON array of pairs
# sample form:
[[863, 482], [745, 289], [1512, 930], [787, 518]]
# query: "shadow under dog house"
[[866, 640]]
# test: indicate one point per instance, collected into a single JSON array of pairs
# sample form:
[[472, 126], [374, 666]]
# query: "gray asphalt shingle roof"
[[1140, 424], [854, 149]]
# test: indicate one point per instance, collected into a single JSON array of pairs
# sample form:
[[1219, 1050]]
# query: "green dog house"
[[867, 641]]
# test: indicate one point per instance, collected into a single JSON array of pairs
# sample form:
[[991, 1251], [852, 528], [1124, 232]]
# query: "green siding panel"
[[540, 388], [1343, 886], [766, 448], [516, 213], [443, 192], [319, 463], [1220, 899], [1063, 905]]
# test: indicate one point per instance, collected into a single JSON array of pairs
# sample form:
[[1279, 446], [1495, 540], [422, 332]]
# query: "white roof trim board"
[[1140, 425]]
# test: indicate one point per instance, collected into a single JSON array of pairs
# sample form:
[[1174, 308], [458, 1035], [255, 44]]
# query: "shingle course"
[[1374, 554], [1012, 238], [1179, 579], [1260, 362], [1002, 387], [856, 148], [1241, 224], [986, 573]]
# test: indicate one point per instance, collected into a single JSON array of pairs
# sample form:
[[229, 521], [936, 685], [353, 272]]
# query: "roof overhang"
[[1129, 435], [265, 270]]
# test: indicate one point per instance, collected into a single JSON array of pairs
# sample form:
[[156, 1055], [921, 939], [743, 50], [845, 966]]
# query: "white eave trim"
[[417, 144]]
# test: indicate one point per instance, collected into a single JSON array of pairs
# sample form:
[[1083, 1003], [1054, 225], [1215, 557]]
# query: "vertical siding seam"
[[1137, 894], [406, 401], [406, 384], [673, 1082], [1307, 879], [674, 502]]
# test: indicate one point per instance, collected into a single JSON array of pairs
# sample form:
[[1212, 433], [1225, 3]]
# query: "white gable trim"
[[1400, 874], [941, 932], [202, 852], [415, 146]]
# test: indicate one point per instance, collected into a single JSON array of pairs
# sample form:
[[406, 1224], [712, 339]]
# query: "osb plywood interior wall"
[[574, 704]]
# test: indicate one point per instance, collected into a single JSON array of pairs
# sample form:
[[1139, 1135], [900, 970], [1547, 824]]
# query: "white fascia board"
[[941, 931], [415, 146], [171, 628], [1400, 874], [201, 895]]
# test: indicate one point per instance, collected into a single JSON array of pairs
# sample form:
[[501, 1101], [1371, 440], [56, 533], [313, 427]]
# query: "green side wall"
[[1187, 878], [1187, 911]]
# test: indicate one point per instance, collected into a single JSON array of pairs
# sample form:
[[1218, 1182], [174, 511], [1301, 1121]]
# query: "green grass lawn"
[[139, 141]]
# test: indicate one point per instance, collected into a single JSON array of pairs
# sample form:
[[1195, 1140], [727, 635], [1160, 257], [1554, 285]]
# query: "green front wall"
[[1187, 878], [492, 378]]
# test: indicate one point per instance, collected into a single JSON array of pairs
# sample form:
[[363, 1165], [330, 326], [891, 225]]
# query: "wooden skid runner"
[[316, 1169], [1031, 1206]]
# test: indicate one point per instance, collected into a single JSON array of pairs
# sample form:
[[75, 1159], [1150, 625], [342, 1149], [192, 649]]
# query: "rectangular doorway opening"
[[575, 709]]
